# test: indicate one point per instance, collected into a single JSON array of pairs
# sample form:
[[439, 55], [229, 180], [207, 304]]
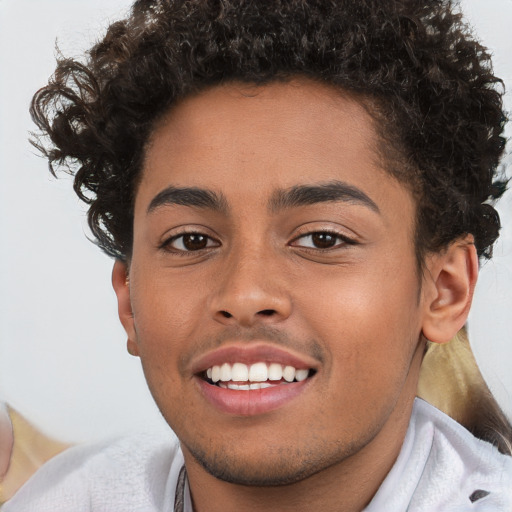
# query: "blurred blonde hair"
[[31, 450], [451, 381]]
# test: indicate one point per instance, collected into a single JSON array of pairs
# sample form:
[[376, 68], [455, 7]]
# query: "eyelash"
[[341, 240], [167, 245]]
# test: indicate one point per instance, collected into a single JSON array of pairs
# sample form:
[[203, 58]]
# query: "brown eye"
[[323, 240], [189, 242], [195, 242]]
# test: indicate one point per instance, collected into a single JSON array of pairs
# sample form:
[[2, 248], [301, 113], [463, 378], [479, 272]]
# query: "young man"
[[296, 195]]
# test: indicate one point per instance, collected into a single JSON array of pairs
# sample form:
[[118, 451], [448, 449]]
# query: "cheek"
[[167, 317], [368, 322], [361, 300]]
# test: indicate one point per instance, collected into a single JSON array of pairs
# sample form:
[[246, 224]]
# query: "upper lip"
[[254, 353]]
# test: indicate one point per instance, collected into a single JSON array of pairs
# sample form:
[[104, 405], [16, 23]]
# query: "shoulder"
[[128, 474], [460, 466], [449, 436], [443, 467]]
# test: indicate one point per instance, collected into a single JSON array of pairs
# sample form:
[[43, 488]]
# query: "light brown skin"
[[359, 311]]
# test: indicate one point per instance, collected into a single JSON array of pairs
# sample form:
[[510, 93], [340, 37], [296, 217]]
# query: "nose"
[[250, 290]]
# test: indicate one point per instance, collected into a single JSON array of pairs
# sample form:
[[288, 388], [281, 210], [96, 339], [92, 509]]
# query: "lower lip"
[[252, 401]]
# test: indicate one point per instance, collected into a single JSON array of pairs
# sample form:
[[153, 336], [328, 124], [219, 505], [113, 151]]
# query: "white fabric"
[[438, 469], [135, 474], [440, 466]]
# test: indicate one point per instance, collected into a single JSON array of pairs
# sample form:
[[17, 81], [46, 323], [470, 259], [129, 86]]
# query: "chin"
[[285, 468], [273, 476]]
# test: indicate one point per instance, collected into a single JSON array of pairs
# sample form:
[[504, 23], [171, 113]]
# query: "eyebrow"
[[303, 195], [189, 196]]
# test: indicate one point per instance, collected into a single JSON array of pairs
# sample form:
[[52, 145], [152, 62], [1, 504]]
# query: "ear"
[[121, 285], [449, 286]]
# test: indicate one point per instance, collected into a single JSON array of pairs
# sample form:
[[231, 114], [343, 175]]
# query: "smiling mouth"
[[260, 375]]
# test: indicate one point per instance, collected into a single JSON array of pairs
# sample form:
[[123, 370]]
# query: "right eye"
[[190, 242]]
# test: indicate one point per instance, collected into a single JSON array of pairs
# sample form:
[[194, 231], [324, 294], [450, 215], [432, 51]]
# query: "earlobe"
[[451, 282], [121, 285]]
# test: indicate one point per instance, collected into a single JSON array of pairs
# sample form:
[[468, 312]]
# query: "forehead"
[[241, 138]]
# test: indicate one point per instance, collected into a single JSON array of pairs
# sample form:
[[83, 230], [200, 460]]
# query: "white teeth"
[[256, 375], [301, 375], [245, 387], [242, 387], [289, 373], [258, 372], [216, 373], [275, 372], [239, 372], [225, 372]]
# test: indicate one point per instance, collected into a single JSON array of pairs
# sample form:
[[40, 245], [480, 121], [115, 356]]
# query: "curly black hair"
[[415, 65]]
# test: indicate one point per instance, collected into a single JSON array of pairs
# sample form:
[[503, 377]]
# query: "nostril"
[[267, 312], [225, 314]]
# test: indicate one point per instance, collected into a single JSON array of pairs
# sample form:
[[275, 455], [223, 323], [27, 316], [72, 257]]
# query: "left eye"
[[189, 242], [321, 240]]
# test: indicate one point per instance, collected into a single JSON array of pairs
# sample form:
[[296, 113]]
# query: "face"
[[276, 302]]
